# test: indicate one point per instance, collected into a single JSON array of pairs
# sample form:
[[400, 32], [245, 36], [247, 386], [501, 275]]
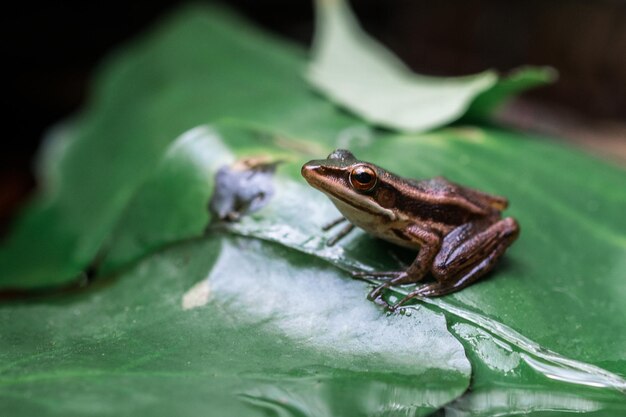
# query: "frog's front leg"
[[430, 243], [333, 223], [467, 253], [339, 235]]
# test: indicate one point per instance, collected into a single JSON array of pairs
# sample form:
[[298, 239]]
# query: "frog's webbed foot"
[[435, 289], [393, 278], [376, 295], [389, 277]]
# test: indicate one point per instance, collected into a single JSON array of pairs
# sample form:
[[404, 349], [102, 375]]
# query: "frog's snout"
[[310, 169], [314, 173]]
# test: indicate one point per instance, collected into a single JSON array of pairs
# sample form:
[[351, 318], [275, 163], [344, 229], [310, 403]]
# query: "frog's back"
[[447, 191]]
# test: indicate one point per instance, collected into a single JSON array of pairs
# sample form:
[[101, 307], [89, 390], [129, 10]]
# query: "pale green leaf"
[[361, 75]]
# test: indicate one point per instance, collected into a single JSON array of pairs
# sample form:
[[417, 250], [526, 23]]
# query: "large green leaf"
[[171, 205], [505, 380], [361, 75], [335, 356], [197, 67], [225, 327], [119, 186], [509, 364], [560, 311]]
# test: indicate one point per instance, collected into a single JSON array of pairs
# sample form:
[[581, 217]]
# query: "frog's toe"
[[432, 291], [378, 299], [428, 290], [376, 293], [381, 302], [392, 307], [435, 289], [386, 275]]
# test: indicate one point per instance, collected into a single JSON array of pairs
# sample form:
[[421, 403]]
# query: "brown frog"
[[458, 230]]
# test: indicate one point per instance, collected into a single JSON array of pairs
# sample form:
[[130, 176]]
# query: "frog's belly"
[[377, 225]]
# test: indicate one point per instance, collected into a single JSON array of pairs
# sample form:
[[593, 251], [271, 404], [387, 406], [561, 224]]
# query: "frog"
[[459, 232]]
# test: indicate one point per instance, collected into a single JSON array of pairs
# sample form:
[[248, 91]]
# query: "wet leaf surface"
[[225, 327], [506, 380]]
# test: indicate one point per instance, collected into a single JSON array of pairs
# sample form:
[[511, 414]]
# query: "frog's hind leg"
[[467, 246], [462, 261], [430, 243]]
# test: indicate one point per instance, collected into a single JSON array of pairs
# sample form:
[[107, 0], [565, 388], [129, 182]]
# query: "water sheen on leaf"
[[505, 380], [226, 327]]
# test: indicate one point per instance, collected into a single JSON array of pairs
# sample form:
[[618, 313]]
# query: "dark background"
[[51, 50]]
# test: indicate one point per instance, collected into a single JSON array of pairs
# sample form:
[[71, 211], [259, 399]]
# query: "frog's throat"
[[365, 205]]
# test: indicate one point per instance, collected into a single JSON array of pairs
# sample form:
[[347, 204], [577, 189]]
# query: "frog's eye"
[[363, 178]]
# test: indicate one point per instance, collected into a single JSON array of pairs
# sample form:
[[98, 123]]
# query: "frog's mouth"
[[331, 181]]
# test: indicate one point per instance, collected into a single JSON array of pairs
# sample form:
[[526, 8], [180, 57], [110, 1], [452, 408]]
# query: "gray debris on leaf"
[[243, 187]]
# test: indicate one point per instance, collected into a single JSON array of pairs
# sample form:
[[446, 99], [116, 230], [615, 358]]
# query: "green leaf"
[[556, 298], [505, 380], [517, 81], [506, 363], [193, 330], [148, 94], [358, 73], [172, 204], [118, 186]]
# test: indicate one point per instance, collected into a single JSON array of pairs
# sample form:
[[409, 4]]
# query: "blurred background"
[[52, 49]]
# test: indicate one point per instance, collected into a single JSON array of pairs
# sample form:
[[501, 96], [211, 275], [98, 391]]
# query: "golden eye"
[[363, 178]]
